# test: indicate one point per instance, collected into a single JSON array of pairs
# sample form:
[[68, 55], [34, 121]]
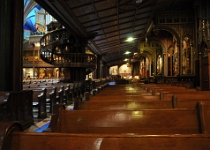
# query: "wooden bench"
[[151, 86], [158, 90], [15, 139], [60, 95], [105, 93], [135, 91], [145, 121], [56, 141], [189, 103], [189, 96], [199, 95], [39, 102], [79, 89], [140, 104], [184, 83], [50, 94], [105, 98], [18, 107], [67, 94], [63, 91], [51, 97], [126, 105]]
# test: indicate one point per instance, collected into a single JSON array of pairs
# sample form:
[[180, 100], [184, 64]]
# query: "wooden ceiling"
[[113, 21]]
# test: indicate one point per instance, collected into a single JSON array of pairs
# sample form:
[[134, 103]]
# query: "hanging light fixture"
[[130, 39], [127, 52]]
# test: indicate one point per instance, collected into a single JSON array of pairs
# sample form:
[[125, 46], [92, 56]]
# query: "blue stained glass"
[[30, 21], [38, 7], [29, 25]]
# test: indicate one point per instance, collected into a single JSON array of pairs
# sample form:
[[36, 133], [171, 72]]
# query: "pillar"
[[165, 64], [98, 72], [105, 70], [209, 68], [77, 74], [11, 41], [201, 70]]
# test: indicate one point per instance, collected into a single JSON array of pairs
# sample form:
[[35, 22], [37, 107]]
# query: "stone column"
[[11, 41]]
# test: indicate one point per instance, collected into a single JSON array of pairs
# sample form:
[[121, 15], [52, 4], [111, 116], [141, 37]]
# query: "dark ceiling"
[[112, 20]]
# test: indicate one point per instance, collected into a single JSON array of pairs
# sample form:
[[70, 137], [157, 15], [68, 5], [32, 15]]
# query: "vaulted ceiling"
[[112, 21]]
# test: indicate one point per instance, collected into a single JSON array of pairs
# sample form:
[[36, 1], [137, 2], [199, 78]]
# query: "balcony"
[[60, 49]]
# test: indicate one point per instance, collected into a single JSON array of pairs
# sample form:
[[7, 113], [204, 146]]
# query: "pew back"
[[148, 121], [126, 105], [58, 141], [18, 107]]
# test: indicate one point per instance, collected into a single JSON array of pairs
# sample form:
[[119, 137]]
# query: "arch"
[[161, 44], [150, 53], [169, 29]]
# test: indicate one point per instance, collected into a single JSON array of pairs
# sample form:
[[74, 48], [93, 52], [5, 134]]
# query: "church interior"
[[104, 74]]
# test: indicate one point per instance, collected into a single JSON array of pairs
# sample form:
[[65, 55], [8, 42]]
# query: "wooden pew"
[[112, 91], [51, 97], [55, 117], [105, 98], [159, 87], [168, 90], [63, 91], [105, 93], [50, 94], [163, 96], [157, 91], [124, 93], [199, 95], [151, 86], [145, 121], [15, 139], [60, 95], [39, 102], [18, 107], [67, 94], [189, 103], [126, 105], [79, 89], [56, 141]]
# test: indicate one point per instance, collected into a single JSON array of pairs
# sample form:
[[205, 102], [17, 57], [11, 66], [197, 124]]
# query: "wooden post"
[[11, 41]]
